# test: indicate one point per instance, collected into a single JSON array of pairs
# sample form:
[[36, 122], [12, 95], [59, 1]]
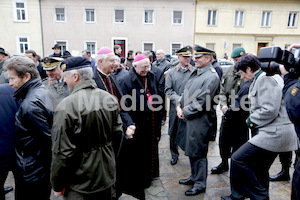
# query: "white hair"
[[160, 50], [100, 57], [85, 73]]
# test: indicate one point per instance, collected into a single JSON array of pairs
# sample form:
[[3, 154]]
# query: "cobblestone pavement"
[[166, 187]]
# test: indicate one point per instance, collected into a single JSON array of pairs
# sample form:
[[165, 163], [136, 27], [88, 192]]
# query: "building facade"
[[222, 25], [20, 26], [136, 25]]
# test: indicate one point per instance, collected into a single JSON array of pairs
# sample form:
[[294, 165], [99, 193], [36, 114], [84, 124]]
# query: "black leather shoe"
[[230, 197], [219, 169], [8, 189], [174, 161], [281, 176], [187, 181], [194, 191]]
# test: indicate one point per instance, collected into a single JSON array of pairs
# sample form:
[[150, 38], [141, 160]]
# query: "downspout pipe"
[[42, 33]]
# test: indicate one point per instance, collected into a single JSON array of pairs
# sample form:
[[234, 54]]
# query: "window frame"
[[210, 22], [182, 17], [18, 43], [124, 16], [239, 22], [90, 41], [15, 10], [55, 15], [234, 45], [85, 16], [295, 19], [210, 43], [264, 23], [171, 47], [153, 16], [143, 45]]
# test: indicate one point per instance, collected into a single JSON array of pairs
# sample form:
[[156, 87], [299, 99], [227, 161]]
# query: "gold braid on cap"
[[184, 53], [48, 64], [202, 52]]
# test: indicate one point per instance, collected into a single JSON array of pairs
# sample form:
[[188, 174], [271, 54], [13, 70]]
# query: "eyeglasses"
[[144, 67], [112, 60]]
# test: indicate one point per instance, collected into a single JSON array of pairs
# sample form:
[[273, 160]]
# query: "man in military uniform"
[[230, 85], [194, 110], [174, 84], [57, 88]]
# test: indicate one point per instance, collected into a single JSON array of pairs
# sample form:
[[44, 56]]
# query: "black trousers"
[[296, 183], [233, 134], [35, 190], [285, 158], [249, 172], [198, 172]]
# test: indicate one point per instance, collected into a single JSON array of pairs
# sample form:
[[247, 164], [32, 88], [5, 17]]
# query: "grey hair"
[[84, 73], [22, 65], [100, 57]]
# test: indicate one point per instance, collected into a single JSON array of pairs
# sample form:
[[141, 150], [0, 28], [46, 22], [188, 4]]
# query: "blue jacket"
[[8, 109]]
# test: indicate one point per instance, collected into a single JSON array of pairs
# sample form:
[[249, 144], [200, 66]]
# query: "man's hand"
[[224, 109], [283, 70], [130, 131], [179, 112], [61, 193], [293, 46]]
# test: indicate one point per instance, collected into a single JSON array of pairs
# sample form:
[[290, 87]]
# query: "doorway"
[[260, 45], [122, 43]]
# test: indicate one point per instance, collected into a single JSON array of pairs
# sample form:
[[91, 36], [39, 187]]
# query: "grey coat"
[[268, 115], [198, 104], [174, 85]]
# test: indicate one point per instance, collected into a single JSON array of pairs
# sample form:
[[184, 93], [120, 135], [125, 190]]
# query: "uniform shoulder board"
[[294, 91], [213, 70]]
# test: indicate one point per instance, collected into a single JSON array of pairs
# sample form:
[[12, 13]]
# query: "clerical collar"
[[106, 75]]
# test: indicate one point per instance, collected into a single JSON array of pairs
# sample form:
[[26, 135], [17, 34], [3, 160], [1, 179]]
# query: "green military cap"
[[51, 62], [200, 51], [238, 52], [185, 51]]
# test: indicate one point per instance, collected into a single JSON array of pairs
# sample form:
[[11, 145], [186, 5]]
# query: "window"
[[211, 46], [147, 46], [149, 17], [89, 15], [177, 17], [91, 46], [119, 16], [236, 45], [175, 47], [293, 17], [23, 44], [239, 18], [212, 18], [60, 14], [63, 45], [20, 8], [266, 18]]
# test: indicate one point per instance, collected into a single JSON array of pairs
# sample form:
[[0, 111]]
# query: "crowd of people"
[[79, 125]]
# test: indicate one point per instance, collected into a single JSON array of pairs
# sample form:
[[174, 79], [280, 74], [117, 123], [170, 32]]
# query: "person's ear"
[[27, 77]]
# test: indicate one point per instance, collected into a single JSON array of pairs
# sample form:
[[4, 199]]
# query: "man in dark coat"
[[57, 51], [194, 110], [33, 130], [175, 81], [231, 81], [83, 159], [8, 109], [140, 154], [161, 61]]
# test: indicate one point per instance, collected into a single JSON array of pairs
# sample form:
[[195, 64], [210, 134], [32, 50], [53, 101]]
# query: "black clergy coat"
[[139, 156]]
